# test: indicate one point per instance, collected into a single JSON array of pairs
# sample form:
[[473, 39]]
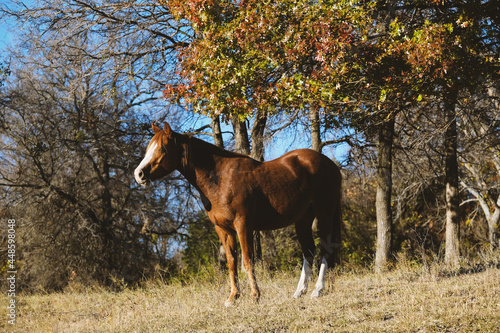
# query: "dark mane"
[[208, 147], [195, 151]]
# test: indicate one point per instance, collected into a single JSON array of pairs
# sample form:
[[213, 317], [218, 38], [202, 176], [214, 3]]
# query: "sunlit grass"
[[406, 299]]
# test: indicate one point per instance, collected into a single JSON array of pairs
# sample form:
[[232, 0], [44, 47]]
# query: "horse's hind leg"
[[303, 229], [320, 284], [329, 225], [324, 249]]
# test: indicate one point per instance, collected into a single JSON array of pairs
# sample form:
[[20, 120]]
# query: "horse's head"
[[162, 156]]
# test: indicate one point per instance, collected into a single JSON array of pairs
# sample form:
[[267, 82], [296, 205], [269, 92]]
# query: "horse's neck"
[[199, 160]]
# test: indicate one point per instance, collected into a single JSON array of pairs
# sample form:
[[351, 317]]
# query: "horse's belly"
[[270, 217], [268, 224]]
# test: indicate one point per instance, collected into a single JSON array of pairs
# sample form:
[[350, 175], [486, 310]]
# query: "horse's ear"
[[167, 128], [155, 129]]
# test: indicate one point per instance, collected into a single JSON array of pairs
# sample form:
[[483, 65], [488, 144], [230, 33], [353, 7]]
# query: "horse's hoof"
[[316, 293], [231, 299]]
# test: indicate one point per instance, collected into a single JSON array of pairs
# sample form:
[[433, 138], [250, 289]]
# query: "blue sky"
[[5, 34]]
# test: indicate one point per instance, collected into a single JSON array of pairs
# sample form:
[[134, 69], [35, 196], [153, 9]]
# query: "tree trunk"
[[315, 129], [452, 251], [315, 142], [241, 142], [217, 133], [384, 166], [493, 230], [486, 203], [494, 223], [383, 197], [258, 128]]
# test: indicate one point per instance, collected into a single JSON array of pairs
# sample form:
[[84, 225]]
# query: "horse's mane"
[[207, 147]]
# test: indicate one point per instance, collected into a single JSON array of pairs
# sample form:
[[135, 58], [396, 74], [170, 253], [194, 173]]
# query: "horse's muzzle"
[[140, 177]]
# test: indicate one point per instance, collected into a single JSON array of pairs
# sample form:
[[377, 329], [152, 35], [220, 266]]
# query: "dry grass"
[[404, 300]]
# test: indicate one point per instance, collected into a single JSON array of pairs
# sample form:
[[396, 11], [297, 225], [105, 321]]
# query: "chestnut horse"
[[241, 195]]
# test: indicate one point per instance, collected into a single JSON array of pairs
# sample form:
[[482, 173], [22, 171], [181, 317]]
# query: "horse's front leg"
[[228, 239], [247, 251]]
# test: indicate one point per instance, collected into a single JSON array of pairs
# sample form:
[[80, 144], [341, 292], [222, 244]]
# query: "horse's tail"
[[329, 214], [336, 257]]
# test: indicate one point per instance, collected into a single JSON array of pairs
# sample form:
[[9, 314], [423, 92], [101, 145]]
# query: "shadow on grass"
[[477, 268]]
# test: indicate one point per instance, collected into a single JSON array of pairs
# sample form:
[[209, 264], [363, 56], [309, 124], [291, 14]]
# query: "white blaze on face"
[[149, 156]]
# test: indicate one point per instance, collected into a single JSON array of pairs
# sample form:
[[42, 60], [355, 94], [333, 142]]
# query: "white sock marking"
[[305, 277], [321, 278]]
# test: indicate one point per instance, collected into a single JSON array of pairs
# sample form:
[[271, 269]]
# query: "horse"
[[242, 195]]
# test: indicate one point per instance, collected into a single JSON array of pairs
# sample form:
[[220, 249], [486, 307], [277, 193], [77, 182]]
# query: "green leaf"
[[383, 95]]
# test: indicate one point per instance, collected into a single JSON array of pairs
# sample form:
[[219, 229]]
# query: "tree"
[[247, 58], [452, 252], [384, 192], [4, 72], [448, 47], [383, 201], [140, 35], [480, 158]]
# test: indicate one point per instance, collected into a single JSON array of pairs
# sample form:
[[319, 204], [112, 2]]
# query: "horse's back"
[[317, 165]]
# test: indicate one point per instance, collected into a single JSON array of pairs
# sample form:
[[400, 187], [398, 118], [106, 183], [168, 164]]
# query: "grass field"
[[403, 300]]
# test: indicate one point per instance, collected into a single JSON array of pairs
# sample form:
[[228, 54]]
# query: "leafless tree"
[[480, 158], [74, 127]]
